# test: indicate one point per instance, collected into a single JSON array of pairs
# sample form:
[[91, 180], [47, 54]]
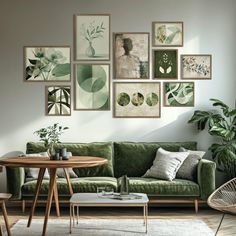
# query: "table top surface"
[[45, 162], [94, 198]]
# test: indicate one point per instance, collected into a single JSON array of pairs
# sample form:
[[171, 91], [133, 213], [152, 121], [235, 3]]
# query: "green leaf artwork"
[[165, 64], [47, 64], [92, 87], [179, 94], [168, 33], [58, 100]]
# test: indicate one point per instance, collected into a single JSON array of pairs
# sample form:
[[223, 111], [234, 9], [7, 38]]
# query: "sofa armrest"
[[206, 178], [15, 180]]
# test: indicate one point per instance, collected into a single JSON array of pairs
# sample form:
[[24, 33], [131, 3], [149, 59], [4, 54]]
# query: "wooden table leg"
[[55, 194], [38, 185], [68, 181], [52, 182], [4, 211]]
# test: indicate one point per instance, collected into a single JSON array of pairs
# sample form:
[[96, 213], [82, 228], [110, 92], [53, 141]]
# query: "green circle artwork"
[[152, 99], [123, 99], [93, 91], [137, 99]]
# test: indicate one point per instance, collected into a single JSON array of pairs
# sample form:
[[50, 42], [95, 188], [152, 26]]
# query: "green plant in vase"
[[51, 136], [90, 33], [221, 124]]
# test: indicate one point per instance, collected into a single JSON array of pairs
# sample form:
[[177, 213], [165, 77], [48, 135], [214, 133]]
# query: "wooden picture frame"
[[167, 34], [58, 100], [136, 100], [47, 63], [196, 66], [173, 95], [92, 37], [131, 57], [92, 87], [165, 64]]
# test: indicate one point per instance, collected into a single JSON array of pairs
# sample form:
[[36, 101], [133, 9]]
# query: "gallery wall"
[[209, 28]]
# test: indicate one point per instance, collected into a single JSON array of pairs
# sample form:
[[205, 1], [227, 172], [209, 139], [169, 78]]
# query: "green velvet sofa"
[[124, 158]]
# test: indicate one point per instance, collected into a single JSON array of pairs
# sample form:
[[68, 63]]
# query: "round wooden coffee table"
[[42, 163]]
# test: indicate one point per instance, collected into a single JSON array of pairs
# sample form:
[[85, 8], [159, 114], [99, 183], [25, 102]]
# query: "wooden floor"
[[211, 217]]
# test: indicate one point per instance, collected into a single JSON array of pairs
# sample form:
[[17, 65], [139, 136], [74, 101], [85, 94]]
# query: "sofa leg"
[[23, 206], [196, 205]]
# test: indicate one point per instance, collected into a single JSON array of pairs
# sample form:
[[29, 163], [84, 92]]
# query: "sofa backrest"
[[98, 149], [134, 159]]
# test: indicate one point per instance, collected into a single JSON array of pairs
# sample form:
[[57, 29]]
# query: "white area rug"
[[114, 228]]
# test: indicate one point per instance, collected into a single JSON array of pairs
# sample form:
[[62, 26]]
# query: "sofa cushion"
[[134, 159], [86, 184], [156, 187], [102, 149]]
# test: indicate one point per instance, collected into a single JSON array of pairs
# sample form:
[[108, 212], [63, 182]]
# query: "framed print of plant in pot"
[[47, 64], [136, 100], [92, 86], [58, 100], [165, 64], [178, 94], [92, 37], [167, 34], [131, 55], [196, 67]]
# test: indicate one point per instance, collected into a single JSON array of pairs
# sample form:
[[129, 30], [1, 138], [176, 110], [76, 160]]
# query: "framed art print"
[[131, 55], [47, 64], [92, 86], [92, 37], [167, 34], [136, 100], [196, 67], [58, 100], [178, 94], [165, 64]]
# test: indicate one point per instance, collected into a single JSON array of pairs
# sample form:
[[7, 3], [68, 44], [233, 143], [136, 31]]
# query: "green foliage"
[[223, 126], [50, 135]]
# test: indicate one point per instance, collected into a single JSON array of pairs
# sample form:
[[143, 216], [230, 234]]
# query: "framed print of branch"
[[92, 37], [167, 34], [131, 55], [198, 67], [58, 100], [136, 100], [165, 64], [92, 86], [47, 64], [178, 94]]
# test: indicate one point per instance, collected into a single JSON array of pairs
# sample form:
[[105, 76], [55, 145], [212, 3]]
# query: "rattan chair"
[[224, 198]]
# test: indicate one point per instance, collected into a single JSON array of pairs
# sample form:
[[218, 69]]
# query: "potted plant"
[[221, 124], [50, 136]]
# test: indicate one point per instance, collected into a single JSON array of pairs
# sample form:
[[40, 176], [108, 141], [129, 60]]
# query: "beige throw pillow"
[[166, 164]]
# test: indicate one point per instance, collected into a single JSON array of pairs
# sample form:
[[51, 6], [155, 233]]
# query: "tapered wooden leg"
[[55, 194], [38, 185], [49, 199], [68, 181], [196, 205], [4, 211], [23, 206]]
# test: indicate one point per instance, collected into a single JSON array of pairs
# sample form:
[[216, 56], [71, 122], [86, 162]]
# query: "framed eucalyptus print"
[[196, 67], [136, 100], [92, 37], [58, 100], [131, 55], [92, 86], [167, 34], [178, 94], [165, 64], [47, 64]]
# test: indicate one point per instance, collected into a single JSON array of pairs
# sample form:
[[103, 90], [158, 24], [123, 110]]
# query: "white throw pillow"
[[33, 172], [166, 164]]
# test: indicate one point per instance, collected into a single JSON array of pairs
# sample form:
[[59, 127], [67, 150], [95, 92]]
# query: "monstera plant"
[[221, 124]]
